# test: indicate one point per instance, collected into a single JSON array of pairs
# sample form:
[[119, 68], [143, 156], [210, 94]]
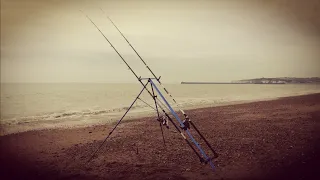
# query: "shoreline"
[[275, 139], [109, 118]]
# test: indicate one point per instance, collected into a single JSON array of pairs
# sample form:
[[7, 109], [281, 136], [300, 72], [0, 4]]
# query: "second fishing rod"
[[157, 78]]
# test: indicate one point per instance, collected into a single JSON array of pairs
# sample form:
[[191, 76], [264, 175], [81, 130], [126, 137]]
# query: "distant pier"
[[233, 83], [280, 80], [213, 83]]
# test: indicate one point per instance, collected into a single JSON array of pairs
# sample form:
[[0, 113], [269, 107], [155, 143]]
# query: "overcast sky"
[[217, 40]]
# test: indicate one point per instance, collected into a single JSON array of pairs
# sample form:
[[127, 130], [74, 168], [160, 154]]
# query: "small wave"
[[68, 114], [75, 115]]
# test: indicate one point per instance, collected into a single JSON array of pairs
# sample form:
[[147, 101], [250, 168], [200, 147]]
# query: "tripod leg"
[[156, 104], [164, 142], [144, 87]]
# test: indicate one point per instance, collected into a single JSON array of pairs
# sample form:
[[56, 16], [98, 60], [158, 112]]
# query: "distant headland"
[[280, 80]]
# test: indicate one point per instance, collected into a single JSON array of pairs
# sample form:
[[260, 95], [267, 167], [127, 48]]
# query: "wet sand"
[[278, 139]]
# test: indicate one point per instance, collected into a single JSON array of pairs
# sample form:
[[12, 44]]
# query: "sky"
[[218, 40]]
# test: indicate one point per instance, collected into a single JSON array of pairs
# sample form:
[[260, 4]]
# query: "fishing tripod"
[[184, 124], [163, 105]]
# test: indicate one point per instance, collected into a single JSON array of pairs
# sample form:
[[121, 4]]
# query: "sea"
[[35, 106]]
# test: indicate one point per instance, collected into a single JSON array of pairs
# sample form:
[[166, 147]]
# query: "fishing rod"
[[131, 45], [153, 95], [113, 47], [158, 79], [139, 79], [168, 93]]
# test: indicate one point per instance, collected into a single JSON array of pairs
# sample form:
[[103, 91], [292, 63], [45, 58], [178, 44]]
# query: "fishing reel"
[[164, 121], [185, 122]]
